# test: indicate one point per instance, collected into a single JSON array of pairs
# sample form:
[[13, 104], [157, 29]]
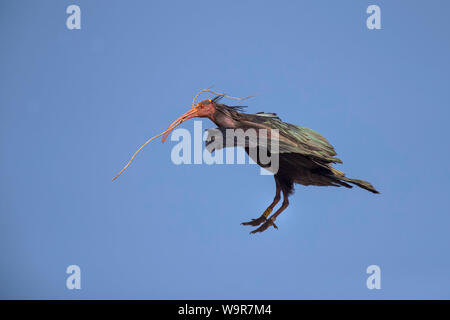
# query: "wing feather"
[[301, 140]]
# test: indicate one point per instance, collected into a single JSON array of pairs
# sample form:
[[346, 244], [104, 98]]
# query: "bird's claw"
[[255, 222], [258, 221], [269, 222]]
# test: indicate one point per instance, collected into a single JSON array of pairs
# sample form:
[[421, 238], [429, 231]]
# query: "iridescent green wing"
[[301, 140]]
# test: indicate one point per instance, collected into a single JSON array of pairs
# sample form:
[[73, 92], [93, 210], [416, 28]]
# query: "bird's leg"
[[271, 221], [263, 217]]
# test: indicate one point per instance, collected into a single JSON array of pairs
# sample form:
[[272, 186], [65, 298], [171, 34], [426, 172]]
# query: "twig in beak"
[[220, 94], [138, 150], [174, 124], [170, 128], [126, 166]]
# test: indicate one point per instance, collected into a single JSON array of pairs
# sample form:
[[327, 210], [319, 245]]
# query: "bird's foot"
[[269, 222], [255, 222], [258, 221]]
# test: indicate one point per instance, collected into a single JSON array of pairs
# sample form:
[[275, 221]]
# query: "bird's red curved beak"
[[188, 115]]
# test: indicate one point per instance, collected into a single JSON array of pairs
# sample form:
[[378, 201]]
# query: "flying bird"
[[305, 157]]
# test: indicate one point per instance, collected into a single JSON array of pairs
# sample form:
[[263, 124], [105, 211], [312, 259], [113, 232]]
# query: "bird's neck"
[[224, 119]]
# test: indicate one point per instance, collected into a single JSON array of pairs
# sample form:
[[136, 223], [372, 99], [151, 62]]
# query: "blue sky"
[[75, 104]]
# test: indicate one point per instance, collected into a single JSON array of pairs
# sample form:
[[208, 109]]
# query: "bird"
[[305, 156]]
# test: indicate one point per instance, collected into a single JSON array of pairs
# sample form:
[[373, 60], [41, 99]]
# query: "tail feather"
[[360, 183]]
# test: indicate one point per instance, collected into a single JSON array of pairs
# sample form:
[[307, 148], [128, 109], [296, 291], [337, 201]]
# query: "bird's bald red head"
[[203, 109]]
